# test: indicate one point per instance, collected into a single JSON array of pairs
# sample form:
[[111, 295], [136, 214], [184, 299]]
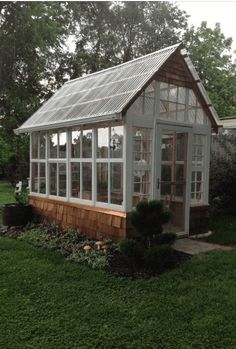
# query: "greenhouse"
[[137, 131]]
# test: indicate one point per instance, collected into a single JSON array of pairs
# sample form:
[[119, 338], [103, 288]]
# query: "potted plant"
[[17, 213]]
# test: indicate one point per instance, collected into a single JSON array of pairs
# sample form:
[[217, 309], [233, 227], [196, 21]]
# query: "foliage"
[[110, 33], [6, 195], [22, 197], [38, 238], [222, 185], [131, 251], [94, 259], [224, 229], [148, 218], [159, 257], [166, 238], [32, 39], [210, 52]]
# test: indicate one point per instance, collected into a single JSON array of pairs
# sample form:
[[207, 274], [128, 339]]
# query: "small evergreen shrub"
[[159, 257], [131, 251], [148, 219], [166, 238]]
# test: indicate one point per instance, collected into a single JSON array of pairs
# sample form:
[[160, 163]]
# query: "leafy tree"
[[32, 43], [110, 33], [210, 52]]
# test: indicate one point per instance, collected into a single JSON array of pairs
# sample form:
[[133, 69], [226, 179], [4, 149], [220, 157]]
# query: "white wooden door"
[[173, 167]]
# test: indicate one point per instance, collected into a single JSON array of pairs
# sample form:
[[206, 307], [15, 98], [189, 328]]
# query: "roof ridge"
[[122, 64]]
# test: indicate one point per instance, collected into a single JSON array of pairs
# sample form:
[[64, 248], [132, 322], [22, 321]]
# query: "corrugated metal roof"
[[98, 95]]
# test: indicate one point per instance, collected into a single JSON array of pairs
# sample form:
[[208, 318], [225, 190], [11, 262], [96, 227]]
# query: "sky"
[[223, 12]]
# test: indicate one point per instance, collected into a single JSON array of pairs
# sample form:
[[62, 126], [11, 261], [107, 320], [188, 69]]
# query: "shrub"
[[222, 189], [148, 219], [159, 257], [166, 238], [131, 251]]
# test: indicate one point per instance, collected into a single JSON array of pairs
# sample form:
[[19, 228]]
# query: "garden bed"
[[101, 255]]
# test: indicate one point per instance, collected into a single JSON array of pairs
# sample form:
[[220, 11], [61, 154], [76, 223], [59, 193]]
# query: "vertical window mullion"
[[109, 165], [46, 164], [68, 168], [94, 166]]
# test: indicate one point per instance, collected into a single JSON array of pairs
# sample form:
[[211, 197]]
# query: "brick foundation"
[[93, 221]]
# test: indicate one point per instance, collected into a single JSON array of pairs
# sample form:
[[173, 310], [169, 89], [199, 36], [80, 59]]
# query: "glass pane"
[[34, 145], [87, 144], [173, 93], [34, 177], [116, 141], [42, 146], [167, 147], [181, 95], [180, 146], [192, 98], [62, 180], [53, 179], [200, 116], [166, 173], [103, 140], [62, 145], [179, 173], [75, 144], [42, 179], [53, 142], [87, 181], [75, 179], [165, 189], [142, 145], [117, 183], [102, 182]]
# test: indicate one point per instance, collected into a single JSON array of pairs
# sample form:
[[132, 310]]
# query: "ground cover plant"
[[49, 302], [224, 229]]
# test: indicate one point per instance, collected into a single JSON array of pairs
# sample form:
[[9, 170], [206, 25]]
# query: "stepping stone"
[[194, 247]]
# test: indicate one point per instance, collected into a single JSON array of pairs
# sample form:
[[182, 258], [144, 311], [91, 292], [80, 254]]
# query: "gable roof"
[[99, 96]]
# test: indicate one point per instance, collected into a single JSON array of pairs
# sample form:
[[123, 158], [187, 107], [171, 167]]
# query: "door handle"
[[158, 183]]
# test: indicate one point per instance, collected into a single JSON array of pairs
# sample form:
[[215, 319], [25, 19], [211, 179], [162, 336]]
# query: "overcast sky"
[[223, 12]]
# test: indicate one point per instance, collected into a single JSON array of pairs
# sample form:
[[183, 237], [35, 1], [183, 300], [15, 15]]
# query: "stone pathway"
[[194, 247]]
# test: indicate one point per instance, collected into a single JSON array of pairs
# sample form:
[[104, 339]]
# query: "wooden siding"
[[94, 222]]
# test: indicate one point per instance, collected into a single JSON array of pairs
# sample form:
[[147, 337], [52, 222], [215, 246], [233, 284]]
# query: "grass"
[[47, 302], [224, 230], [6, 195]]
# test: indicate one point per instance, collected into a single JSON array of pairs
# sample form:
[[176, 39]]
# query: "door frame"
[[160, 125]]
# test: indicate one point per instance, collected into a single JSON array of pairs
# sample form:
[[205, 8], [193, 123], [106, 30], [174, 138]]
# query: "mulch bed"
[[118, 267]]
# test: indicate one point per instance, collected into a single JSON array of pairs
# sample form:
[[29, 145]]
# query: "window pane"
[[34, 145], [75, 179], [42, 146], [142, 145], [62, 145], [42, 179], [75, 144], [103, 140], [167, 147], [53, 142], [87, 181], [62, 180], [87, 144], [53, 179], [116, 142], [117, 183], [34, 177], [102, 182]]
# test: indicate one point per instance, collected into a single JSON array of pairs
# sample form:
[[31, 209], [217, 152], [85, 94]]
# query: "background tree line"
[[35, 57]]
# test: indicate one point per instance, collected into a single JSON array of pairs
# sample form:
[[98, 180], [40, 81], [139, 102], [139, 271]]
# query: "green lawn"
[[48, 302], [6, 195], [224, 230]]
